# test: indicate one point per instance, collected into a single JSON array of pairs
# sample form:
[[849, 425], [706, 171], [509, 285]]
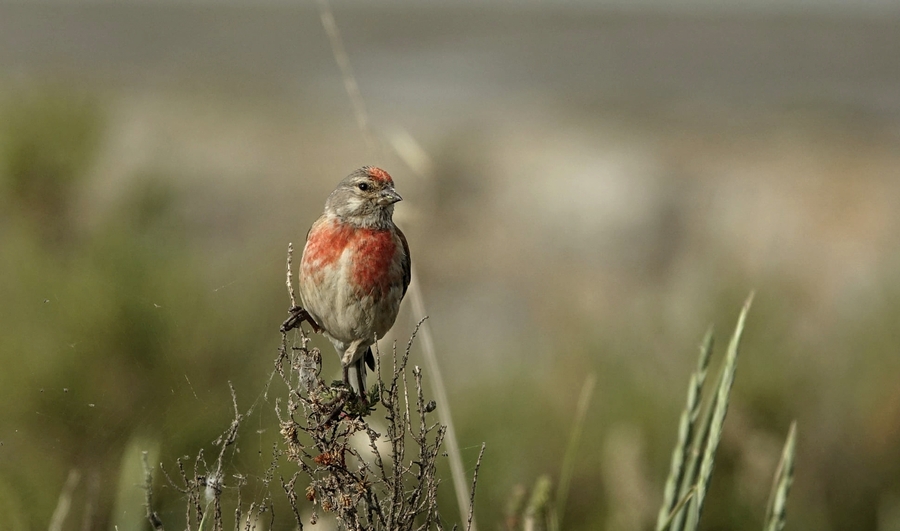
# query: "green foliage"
[[48, 140]]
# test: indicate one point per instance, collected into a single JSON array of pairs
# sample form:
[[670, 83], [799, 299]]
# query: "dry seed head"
[[289, 431], [326, 459], [346, 501]]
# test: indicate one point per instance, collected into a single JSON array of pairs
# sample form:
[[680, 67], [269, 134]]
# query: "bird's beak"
[[389, 197]]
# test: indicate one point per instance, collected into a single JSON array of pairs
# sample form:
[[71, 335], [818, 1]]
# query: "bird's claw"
[[297, 315], [359, 404]]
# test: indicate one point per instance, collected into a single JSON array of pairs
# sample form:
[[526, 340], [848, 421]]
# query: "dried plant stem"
[[457, 471], [474, 485], [289, 283], [151, 515], [343, 62], [363, 491]]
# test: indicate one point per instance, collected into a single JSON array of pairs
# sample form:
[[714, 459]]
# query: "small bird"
[[355, 269]]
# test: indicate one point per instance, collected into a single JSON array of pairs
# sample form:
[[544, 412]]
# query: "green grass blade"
[[537, 517], [781, 485], [686, 433], [677, 509], [717, 420], [692, 465], [568, 466]]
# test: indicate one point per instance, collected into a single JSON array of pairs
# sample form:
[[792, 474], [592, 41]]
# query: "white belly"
[[344, 313]]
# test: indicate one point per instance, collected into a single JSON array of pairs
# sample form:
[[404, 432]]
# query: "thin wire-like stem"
[[289, 282], [151, 515], [350, 84], [568, 466], [474, 484]]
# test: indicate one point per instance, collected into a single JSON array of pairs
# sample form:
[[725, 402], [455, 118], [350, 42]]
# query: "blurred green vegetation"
[[47, 142], [113, 331], [124, 330]]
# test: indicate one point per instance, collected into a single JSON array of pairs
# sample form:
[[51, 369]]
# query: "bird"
[[355, 269]]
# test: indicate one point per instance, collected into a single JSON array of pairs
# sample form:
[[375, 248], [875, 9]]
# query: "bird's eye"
[[363, 186]]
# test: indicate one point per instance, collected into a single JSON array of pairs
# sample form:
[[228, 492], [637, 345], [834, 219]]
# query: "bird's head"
[[365, 198]]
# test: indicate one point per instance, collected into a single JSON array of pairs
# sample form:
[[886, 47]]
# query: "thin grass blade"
[[678, 506], [568, 466], [781, 486], [717, 420], [686, 434], [539, 506]]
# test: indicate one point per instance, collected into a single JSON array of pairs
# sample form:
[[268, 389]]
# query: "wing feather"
[[407, 261]]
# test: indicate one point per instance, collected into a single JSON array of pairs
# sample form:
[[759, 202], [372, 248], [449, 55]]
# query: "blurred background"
[[587, 185]]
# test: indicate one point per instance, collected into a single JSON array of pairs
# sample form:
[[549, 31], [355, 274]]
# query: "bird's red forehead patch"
[[379, 175]]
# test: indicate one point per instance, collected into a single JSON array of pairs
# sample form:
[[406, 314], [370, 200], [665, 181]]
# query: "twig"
[[152, 517], [474, 484], [290, 283]]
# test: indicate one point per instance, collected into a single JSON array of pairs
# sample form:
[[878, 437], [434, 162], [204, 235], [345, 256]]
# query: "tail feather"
[[370, 358]]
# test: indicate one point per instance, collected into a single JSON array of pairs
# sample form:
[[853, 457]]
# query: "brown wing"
[[407, 261]]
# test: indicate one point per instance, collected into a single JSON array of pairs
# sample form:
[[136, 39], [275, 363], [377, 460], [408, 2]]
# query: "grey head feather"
[[363, 200]]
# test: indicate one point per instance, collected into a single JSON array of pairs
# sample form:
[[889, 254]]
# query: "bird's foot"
[[359, 404], [297, 315]]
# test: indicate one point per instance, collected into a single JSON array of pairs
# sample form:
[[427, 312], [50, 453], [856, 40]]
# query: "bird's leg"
[[298, 315], [350, 357], [362, 393], [350, 354], [345, 368]]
